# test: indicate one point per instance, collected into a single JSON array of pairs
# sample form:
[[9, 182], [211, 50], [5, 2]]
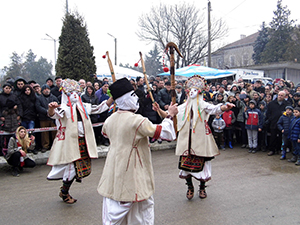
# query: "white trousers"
[[204, 175], [128, 213], [66, 172]]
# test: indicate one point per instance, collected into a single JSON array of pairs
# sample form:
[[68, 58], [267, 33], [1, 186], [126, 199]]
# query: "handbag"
[[188, 161], [191, 163]]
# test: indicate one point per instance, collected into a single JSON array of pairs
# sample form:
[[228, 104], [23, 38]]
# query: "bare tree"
[[182, 24]]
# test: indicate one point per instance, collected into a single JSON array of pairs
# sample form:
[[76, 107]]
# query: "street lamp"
[[115, 47], [52, 39]]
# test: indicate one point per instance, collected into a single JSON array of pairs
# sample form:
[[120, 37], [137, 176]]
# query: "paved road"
[[245, 189]]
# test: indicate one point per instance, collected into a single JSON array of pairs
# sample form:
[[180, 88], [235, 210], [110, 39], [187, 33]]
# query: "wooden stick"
[[147, 83], [173, 46], [112, 74]]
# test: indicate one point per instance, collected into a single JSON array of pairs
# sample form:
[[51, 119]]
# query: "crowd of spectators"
[[252, 123]]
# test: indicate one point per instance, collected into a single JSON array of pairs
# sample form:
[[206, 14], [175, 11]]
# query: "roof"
[[249, 40]]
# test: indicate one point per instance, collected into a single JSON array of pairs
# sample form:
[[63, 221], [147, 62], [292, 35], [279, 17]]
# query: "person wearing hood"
[[18, 85], [234, 88], [283, 125], [42, 102], [74, 145], [263, 134], [127, 181], [10, 113]]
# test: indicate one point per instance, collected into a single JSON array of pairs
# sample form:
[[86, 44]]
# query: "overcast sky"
[[24, 24]]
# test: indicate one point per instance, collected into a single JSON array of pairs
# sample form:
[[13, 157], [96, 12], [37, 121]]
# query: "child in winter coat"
[[229, 118], [294, 134], [283, 125], [262, 135], [253, 123], [218, 125]]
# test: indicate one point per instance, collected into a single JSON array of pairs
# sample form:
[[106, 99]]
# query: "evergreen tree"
[[152, 62], [260, 43], [16, 67], [39, 70], [281, 29], [293, 50], [31, 69], [76, 58]]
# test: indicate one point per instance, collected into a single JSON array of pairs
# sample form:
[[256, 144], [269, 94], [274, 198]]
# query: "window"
[[232, 61]]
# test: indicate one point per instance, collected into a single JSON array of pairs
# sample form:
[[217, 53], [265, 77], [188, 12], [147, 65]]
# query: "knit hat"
[[253, 102], [289, 107], [6, 84], [44, 86]]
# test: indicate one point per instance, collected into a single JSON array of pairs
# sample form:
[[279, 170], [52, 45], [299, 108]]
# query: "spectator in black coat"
[[10, 112], [55, 90], [42, 102], [18, 85], [274, 110], [28, 100], [164, 96], [90, 97]]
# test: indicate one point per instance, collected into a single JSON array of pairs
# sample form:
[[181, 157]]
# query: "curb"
[[41, 158]]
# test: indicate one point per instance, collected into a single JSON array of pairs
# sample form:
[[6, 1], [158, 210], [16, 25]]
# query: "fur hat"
[[120, 87]]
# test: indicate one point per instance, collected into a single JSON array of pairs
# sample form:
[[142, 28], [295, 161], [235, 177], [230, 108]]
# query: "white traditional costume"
[[194, 132], [127, 182], [72, 150]]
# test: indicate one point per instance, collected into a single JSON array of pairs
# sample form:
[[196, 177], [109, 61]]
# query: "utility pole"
[[67, 7], [115, 47], [209, 40]]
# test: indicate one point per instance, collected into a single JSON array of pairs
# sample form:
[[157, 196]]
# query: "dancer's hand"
[[173, 109]]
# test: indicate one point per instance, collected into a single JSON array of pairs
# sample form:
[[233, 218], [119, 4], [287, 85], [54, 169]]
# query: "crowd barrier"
[[44, 129]]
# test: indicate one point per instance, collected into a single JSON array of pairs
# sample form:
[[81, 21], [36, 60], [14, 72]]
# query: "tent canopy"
[[120, 72], [206, 72]]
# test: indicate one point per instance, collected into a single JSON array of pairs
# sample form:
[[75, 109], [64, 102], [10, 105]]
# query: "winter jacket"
[[13, 147], [55, 91], [284, 123], [28, 106], [274, 112], [254, 119], [218, 123], [294, 131], [241, 106], [229, 118], [42, 102], [9, 97], [164, 98]]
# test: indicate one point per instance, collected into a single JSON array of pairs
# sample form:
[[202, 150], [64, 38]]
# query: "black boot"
[[190, 191], [15, 172]]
